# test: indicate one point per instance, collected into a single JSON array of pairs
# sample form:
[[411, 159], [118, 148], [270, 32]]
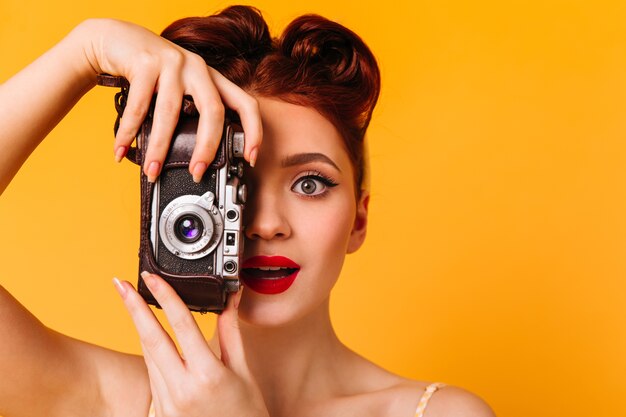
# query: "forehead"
[[291, 129]]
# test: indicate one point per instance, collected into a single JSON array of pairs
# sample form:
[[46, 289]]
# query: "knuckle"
[[205, 152], [216, 108], [153, 341], [250, 103], [133, 308], [197, 61], [245, 102], [134, 111], [158, 148], [164, 297], [204, 378], [208, 148], [146, 60], [255, 106], [180, 396], [182, 324], [218, 111], [174, 57], [125, 135], [209, 377], [169, 108], [184, 395]]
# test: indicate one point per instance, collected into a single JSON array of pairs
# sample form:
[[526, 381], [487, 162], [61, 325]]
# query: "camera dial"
[[191, 226]]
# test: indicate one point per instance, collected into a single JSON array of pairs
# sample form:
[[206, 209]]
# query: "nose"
[[265, 217]]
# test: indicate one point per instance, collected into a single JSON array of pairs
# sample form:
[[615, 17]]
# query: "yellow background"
[[496, 252]]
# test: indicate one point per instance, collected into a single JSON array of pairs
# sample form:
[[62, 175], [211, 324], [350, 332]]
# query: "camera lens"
[[188, 228]]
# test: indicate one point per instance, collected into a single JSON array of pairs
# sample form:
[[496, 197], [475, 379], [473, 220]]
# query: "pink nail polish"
[[198, 171], [153, 171], [238, 298], [253, 155], [147, 278], [120, 153], [119, 287]]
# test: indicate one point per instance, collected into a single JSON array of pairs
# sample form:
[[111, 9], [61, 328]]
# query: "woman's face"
[[301, 217]]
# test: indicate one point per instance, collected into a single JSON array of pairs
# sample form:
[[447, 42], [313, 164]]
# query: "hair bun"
[[228, 41], [331, 48], [313, 40], [316, 63]]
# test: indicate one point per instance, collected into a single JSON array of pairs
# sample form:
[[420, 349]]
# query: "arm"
[[44, 373], [37, 98], [41, 371]]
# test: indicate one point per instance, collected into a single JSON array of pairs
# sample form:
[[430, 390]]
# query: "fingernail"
[[147, 278], [198, 172], [153, 171], [253, 155], [120, 153], [119, 287], [238, 298]]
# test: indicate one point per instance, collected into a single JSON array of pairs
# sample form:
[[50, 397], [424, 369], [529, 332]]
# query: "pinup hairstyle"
[[315, 63]]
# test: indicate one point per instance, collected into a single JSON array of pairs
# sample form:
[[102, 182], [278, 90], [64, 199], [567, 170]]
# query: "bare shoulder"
[[46, 373], [452, 401], [403, 399], [121, 378], [387, 394]]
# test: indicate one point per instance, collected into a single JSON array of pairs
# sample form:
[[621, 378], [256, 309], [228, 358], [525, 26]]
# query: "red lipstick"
[[269, 274]]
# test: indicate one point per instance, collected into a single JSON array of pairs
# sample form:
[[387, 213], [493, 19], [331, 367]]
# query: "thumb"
[[231, 344]]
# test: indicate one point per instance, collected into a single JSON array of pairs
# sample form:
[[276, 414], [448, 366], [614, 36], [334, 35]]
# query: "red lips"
[[269, 274]]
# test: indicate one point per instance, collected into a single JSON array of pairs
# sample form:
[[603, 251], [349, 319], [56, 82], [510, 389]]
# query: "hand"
[[195, 383], [153, 64]]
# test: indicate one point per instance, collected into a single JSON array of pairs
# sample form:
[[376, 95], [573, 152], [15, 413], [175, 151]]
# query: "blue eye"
[[313, 185]]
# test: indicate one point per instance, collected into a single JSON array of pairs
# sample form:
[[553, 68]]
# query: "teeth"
[[271, 268]]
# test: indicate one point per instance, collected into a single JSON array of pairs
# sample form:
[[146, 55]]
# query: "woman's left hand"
[[195, 382]]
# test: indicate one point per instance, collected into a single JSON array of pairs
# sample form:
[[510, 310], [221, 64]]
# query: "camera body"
[[191, 233]]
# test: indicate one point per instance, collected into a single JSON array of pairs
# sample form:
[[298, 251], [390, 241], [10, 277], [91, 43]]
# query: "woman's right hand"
[[34, 100], [192, 381], [153, 64]]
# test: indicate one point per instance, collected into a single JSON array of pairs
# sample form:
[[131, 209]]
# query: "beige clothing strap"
[[430, 390]]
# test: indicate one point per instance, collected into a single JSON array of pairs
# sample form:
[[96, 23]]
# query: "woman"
[[310, 96]]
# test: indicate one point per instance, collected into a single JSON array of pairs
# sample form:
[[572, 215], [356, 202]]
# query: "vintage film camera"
[[191, 234]]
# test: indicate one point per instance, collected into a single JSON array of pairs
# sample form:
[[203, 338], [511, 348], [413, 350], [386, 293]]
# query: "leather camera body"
[[191, 234]]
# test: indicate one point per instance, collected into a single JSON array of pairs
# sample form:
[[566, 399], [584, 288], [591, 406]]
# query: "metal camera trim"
[[203, 207]]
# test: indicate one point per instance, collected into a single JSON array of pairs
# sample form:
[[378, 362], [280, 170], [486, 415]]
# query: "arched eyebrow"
[[303, 158]]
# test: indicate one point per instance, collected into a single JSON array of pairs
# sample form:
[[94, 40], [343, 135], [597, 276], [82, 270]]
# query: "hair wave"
[[315, 62]]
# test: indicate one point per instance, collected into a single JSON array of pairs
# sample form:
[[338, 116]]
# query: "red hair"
[[316, 63]]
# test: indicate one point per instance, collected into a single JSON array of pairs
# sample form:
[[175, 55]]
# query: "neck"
[[295, 363]]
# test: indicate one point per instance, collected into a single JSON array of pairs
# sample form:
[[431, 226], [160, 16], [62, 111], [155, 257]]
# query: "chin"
[[263, 314], [269, 313]]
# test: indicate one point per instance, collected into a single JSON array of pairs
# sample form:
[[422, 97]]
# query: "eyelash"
[[316, 176]]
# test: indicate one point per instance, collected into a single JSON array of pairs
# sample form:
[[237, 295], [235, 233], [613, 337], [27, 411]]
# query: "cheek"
[[325, 229]]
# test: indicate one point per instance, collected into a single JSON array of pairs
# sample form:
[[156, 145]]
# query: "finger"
[[157, 381], [155, 340], [194, 347], [158, 385], [210, 124], [231, 344], [166, 111], [137, 104], [248, 109]]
